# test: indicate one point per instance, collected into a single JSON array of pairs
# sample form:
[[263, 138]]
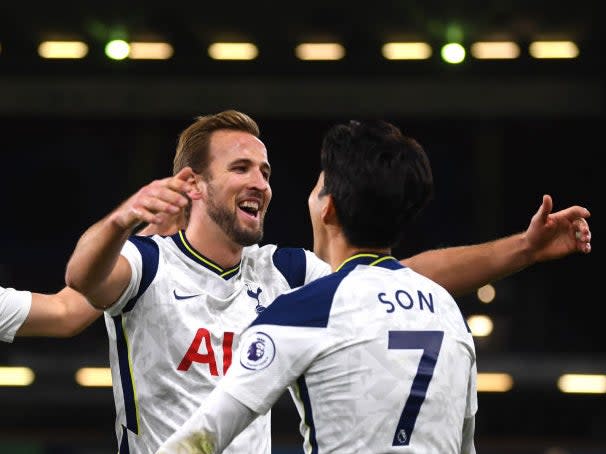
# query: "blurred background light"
[[117, 49], [493, 50], [453, 53], [62, 49], [495, 382], [150, 51], [582, 383], [486, 294], [480, 325], [233, 51], [16, 376], [320, 51], [406, 51], [94, 377], [553, 49]]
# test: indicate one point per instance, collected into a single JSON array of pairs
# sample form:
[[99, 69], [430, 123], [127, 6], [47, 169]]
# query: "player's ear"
[[328, 211], [199, 187]]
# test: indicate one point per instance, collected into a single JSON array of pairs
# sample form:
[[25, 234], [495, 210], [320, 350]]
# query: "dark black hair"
[[379, 179]]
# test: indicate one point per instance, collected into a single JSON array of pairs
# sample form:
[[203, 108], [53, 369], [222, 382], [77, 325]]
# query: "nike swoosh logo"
[[184, 297]]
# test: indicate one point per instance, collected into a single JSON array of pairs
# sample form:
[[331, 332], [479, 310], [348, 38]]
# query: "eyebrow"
[[264, 165]]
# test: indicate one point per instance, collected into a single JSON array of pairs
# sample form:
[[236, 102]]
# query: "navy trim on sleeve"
[[308, 413], [308, 306], [128, 388], [292, 264], [150, 257]]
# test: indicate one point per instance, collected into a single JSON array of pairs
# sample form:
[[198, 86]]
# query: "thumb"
[[545, 208]]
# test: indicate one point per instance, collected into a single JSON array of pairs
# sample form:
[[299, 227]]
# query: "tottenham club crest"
[[254, 294], [258, 351]]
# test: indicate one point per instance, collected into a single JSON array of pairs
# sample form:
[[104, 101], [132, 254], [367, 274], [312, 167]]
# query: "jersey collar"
[[370, 259], [182, 243]]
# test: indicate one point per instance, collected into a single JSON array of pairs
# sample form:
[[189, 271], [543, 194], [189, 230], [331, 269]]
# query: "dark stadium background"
[[77, 137]]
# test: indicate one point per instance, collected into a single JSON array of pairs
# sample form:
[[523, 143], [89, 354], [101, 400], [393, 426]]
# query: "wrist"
[[524, 249]]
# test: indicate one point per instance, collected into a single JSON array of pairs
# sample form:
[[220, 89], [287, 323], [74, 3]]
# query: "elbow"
[[73, 281]]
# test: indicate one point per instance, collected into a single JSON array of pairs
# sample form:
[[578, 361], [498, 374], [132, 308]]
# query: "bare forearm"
[[463, 269], [95, 268], [63, 314], [95, 257], [549, 236]]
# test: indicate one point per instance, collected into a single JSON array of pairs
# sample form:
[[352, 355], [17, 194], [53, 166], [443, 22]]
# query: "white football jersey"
[[377, 358], [174, 332], [14, 308]]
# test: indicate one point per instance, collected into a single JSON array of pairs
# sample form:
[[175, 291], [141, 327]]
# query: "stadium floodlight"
[[233, 51], [495, 50], [406, 51], [319, 51], [94, 377], [16, 376], [494, 382], [62, 49], [453, 53], [150, 51], [582, 383], [553, 49], [117, 49]]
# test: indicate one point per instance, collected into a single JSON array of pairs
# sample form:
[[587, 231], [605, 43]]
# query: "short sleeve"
[[131, 253], [14, 308]]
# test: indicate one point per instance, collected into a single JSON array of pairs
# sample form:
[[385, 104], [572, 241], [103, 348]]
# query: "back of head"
[[194, 141], [379, 179]]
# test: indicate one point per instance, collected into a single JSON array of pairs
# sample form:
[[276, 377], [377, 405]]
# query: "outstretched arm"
[[62, 314], [96, 269], [549, 236], [67, 312]]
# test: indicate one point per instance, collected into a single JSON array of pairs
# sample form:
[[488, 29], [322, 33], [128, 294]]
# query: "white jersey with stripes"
[[175, 329], [377, 358]]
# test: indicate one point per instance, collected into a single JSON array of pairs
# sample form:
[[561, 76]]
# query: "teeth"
[[250, 204]]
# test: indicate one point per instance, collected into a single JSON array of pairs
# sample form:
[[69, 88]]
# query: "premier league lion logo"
[[256, 350], [260, 351]]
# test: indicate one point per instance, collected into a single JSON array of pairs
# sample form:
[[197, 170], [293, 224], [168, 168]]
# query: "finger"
[[165, 201], [545, 208], [182, 182], [173, 197], [168, 190], [583, 242], [582, 231], [144, 215], [575, 212], [184, 175]]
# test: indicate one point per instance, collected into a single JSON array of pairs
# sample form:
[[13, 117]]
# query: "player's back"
[[396, 368]]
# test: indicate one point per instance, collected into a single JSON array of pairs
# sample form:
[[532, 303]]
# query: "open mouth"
[[250, 208]]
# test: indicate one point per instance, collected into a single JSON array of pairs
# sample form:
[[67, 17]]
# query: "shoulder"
[[307, 306], [297, 265]]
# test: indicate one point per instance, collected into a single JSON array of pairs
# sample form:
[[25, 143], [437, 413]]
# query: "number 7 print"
[[430, 342]]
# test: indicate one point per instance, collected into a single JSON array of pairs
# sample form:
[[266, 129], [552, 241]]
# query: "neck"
[[212, 242], [339, 250]]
